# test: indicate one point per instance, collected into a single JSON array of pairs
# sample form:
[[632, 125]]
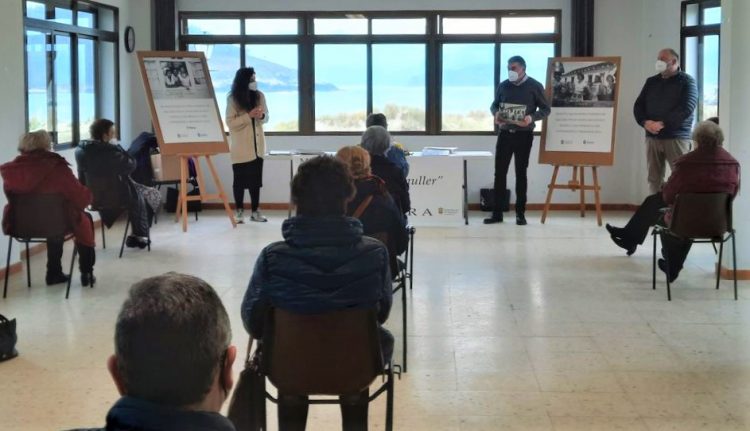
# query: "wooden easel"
[[576, 184], [184, 198]]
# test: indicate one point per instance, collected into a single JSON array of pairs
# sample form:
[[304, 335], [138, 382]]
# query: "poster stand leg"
[[573, 185], [203, 196]]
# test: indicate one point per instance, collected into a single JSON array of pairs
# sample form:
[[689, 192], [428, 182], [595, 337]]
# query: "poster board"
[[583, 93], [183, 105]]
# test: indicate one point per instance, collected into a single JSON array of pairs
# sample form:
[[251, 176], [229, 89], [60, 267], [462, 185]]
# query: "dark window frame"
[[74, 32], [700, 31], [432, 39]]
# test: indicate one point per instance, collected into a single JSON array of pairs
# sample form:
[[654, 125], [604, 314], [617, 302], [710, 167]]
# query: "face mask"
[[661, 66], [253, 86], [512, 76], [114, 141]]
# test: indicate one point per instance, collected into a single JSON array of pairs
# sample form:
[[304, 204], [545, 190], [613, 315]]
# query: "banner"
[[436, 190]]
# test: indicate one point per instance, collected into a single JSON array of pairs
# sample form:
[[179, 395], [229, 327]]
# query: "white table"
[[438, 184]]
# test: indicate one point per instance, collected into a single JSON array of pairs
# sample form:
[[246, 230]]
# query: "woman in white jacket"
[[245, 115]]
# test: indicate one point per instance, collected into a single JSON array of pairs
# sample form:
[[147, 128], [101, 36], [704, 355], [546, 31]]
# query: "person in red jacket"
[[38, 170], [707, 169]]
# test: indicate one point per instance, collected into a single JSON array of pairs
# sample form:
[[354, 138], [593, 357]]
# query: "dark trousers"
[[647, 215], [292, 412], [516, 145], [675, 250], [86, 257], [239, 197]]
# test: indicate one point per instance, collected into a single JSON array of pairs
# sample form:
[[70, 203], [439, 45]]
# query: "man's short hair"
[[517, 59], [708, 134], [99, 128], [376, 120], [170, 338], [35, 141], [322, 187], [673, 53]]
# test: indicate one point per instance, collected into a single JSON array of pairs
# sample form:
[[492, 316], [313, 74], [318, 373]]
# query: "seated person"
[[376, 140], [102, 158], [708, 168], [38, 170], [395, 153], [173, 358], [381, 213], [324, 264]]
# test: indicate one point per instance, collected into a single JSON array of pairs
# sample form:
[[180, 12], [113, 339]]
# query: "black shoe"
[[87, 278], [629, 248], [521, 220], [496, 218], [56, 278], [133, 241], [662, 264], [617, 232]]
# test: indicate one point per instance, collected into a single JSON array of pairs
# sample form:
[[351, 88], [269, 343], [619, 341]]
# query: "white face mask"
[[512, 76], [660, 66], [114, 141], [253, 86]]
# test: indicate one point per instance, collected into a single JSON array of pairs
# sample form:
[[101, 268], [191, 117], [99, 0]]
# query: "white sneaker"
[[239, 216], [256, 216]]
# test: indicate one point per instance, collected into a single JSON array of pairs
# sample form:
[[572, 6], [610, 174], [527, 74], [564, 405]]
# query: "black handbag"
[[247, 408], [8, 339], [487, 200]]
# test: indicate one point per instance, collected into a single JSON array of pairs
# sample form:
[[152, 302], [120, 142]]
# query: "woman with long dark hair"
[[245, 115]]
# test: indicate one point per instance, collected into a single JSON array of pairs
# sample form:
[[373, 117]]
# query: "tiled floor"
[[545, 327]]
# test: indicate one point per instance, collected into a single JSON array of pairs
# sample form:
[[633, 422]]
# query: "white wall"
[[134, 116]]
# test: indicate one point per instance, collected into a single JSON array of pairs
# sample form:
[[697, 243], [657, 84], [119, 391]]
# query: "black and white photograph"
[[512, 111], [584, 84], [171, 78]]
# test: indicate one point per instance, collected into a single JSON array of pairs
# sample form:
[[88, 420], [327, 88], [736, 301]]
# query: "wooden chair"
[[702, 218], [335, 353], [35, 218]]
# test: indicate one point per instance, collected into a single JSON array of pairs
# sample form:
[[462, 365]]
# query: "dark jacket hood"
[[27, 171]]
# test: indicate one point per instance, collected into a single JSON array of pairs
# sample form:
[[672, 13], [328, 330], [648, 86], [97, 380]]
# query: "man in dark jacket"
[[665, 108], [376, 140], [324, 264], [102, 162], [173, 357], [707, 169]]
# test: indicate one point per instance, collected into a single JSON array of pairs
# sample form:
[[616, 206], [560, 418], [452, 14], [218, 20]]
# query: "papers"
[[438, 151]]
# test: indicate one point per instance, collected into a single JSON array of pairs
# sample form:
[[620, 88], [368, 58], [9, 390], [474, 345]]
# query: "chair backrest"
[[38, 216], [322, 354], [107, 191], [391, 246], [702, 215]]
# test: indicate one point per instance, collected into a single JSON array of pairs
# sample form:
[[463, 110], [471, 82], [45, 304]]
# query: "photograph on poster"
[[583, 92], [170, 79], [583, 84]]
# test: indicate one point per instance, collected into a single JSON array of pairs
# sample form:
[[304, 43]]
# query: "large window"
[[71, 67], [701, 32], [428, 72]]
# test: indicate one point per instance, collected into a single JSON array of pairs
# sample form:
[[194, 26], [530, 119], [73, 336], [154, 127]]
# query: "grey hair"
[[376, 140], [170, 338], [34, 141], [708, 134]]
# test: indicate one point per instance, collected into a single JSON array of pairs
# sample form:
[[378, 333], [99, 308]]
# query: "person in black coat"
[[376, 140], [379, 213], [324, 264], [102, 161]]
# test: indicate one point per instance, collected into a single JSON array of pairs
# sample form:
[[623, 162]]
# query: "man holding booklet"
[[519, 102]]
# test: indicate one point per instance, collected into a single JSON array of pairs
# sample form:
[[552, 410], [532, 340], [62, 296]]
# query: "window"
[[700, 34], [71, 67], [428, 72]]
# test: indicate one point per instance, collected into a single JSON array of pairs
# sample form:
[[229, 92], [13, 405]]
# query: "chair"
[[335, 353], [106, 197], [34, 219], [702, 218]]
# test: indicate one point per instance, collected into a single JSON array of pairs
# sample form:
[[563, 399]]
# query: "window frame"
[[432, 39], [74, 32], [700, 31]]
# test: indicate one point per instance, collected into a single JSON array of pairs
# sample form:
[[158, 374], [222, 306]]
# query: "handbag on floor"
[[247, 408], [8, 339]]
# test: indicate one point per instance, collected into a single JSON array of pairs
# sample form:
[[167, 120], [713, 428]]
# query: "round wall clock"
[[129, 39]]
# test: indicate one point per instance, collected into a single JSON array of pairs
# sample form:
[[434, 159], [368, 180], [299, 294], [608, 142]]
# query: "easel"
[[184, 198], [573, 185]]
